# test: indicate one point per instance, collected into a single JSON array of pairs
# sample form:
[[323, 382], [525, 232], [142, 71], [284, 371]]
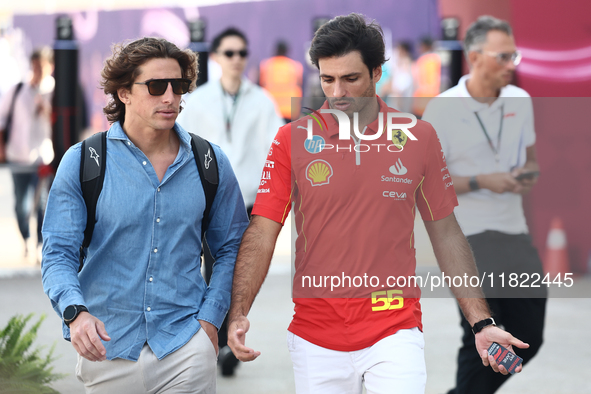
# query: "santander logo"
[[398, 168]]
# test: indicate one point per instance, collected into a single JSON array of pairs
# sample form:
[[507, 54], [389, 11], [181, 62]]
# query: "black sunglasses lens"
[[230, 54], [157, 87], [180, 86]]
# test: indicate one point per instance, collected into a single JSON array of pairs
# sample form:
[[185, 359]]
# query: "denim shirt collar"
[[116, 132]]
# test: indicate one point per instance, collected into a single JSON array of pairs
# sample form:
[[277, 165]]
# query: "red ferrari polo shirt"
[[354, 209]]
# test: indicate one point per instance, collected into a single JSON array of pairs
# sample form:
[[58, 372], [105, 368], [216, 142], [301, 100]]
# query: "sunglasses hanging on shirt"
[[157, 87]]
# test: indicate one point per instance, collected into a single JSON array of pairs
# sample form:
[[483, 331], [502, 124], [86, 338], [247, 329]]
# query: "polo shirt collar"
[[476, 105]]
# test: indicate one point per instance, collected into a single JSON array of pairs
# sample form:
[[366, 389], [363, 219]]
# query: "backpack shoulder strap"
[[92, 175], [18, 88], [208, 172], [8, 125]]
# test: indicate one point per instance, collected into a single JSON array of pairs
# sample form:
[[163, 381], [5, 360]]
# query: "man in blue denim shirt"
[[141, 283]]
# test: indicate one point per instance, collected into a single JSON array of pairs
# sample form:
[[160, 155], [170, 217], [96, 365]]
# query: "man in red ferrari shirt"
[[354, 198]]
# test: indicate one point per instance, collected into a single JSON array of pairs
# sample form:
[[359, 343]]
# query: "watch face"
[[70, 312]]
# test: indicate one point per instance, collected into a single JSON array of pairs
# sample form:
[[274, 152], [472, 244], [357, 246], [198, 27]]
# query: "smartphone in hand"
[[504, 357], [527, 175]]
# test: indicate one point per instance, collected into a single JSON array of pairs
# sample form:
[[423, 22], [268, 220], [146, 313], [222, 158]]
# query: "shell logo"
[[319, 172]]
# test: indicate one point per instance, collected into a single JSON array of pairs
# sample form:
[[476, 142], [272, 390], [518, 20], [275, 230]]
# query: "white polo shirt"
[[468, 151]]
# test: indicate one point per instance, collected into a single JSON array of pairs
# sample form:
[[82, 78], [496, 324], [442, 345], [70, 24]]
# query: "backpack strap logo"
[[208, 159], [94, 155]]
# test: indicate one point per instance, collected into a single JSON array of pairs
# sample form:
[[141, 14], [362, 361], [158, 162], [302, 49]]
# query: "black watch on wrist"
[[71, 313], [473, 183], [478, 326]]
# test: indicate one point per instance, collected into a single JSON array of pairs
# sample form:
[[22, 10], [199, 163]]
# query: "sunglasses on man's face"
[[230, 54], [157, 87]]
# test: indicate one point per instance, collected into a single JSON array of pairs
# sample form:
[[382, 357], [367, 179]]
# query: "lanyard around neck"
[[229, 115], [496, 150]]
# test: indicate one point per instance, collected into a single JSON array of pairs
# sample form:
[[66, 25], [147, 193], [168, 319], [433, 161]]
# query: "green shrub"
[[22, 369]]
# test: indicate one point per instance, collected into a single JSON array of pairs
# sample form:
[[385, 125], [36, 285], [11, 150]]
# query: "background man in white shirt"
[[242, 119], [28, 143], [486, 130]]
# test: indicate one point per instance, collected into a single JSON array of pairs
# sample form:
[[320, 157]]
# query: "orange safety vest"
[[282, 77], [428, 80]]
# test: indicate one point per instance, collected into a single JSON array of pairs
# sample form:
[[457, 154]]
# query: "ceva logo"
[[394, 195]]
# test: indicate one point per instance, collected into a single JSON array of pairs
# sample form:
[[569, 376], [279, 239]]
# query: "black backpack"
[[92, 176]]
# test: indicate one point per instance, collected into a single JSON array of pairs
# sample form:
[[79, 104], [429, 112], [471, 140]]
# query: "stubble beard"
[[358, 104]]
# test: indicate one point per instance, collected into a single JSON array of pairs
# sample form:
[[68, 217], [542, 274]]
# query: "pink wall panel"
[[555, 38]]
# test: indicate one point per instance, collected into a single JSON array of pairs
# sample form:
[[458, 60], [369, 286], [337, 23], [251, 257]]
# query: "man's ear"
[[377, 74], [214, 56], [123, 95], [472, 58]]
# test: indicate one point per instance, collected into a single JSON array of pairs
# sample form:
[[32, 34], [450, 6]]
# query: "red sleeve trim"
[[269, 213], [442, 212]]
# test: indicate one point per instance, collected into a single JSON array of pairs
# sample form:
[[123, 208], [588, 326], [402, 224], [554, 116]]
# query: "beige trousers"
[[189, 370]]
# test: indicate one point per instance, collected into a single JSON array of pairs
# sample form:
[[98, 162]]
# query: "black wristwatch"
[[473, 183], [71, 313], [477, 327]]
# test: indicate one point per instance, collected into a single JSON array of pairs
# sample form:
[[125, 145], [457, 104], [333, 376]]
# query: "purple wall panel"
[[263, 22]]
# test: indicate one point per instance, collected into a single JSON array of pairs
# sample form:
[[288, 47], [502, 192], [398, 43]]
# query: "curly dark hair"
[[123, 67], [348, 33]]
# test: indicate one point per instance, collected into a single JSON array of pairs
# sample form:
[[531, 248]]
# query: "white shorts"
[[395, 364]]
